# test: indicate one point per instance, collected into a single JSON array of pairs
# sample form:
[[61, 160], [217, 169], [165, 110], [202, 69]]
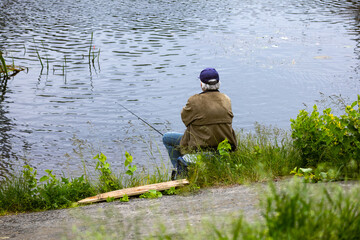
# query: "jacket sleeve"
[[188, 113]]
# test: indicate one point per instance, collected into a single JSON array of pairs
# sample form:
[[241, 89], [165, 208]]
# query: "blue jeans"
[[171, 141]]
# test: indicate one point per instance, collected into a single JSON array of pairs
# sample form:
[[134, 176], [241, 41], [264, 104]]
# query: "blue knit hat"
[[209, 76]]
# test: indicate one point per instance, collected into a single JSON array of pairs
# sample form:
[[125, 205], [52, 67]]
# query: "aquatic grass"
[[64, 65], [90, 46], [24, 49], [3, 68], [98, 58], [92, 55], [47, 56], [7, 71], [38, 55]]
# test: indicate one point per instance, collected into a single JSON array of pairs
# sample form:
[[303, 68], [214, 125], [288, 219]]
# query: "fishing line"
[[141, 119]]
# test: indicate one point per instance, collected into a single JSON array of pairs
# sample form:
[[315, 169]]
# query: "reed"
[[3, 67], [64, 65], [38, 55], [46, 55], [98, 58], [24, 49], [90, 47]]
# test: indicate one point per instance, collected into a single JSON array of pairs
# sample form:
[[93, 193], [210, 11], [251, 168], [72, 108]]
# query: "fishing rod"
[[141, 119]]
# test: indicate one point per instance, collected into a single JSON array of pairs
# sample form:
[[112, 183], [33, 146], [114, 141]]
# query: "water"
[[272, 56]]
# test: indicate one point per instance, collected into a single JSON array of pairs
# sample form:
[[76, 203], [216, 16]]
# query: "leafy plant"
[[108, 181], [125, 198], [329, 138], [321, 174], [304, 172], [29, 176], [224, 149], [171, 191], [128, 160], [110, 199], [151, 194], [53, 192]]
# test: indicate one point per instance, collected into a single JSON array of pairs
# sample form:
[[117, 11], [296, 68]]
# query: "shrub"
[[329, 138]]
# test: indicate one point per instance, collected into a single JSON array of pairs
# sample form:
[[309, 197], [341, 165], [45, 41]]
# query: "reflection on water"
[[272, 56]]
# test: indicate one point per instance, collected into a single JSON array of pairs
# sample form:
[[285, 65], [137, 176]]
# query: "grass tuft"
[[264, 155]]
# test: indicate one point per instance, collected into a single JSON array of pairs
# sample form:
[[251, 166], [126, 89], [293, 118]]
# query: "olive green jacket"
[[208, 120]]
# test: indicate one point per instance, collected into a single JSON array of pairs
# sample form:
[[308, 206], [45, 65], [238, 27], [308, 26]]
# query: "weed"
[[306, 173], [38, 55], [125, 198], [128, 160], [107, 180], [293, 212], [171, 191], [24, 193], [90, 47], [321, 174], [265, 154], [3, 68], [7, 71], [151, 194], [110, 199], [47, 57], [329, 138]]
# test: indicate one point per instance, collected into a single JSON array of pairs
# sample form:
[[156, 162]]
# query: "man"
[[207, 117]]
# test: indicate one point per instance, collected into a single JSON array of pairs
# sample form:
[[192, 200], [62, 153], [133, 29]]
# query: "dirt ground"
[[138, 216], [173, 211]]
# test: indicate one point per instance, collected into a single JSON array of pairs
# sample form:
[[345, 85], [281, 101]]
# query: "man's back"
[[208, 118]]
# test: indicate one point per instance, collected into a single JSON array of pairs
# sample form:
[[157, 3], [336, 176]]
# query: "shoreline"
[[175, 212]]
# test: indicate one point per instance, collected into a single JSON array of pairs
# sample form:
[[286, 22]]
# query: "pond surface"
[[272, 56]]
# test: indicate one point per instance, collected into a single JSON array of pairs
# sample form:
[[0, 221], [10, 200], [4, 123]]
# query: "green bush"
[[329, 138]]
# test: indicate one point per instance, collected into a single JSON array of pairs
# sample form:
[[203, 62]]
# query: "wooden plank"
[[135, 191]]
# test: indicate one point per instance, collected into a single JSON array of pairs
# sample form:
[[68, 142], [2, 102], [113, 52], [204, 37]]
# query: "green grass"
[[25, 191], [294, 210], [263, 155]]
